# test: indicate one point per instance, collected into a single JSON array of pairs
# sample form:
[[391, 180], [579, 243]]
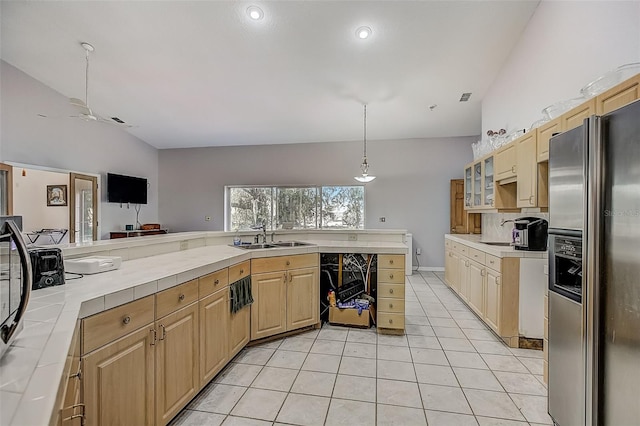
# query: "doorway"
[[6, 190], [83, 208]]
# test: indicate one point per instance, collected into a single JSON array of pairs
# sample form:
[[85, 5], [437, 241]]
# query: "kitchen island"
[[32, 370]]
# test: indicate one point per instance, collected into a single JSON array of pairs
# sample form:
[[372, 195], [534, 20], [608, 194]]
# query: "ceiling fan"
[[84, 110]]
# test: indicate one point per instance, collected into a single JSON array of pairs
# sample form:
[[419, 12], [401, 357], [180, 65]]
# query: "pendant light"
[[365, 166]]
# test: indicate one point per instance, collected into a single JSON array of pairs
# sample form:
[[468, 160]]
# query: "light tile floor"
[[448, 370]]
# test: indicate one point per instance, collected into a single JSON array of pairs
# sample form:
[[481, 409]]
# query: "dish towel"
[[240, 294]]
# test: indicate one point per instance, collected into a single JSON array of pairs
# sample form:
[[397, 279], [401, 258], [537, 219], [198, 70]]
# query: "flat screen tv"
[[126, 189]]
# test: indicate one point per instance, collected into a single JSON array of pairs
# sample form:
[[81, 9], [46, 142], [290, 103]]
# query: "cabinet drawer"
[[283, 263], [393, 276], [387, 320], [493, 262], [171, 300], [239, 271], [390, 305], [212, 282], [477, 255], [391, 261], [105, 327], [391, 290]]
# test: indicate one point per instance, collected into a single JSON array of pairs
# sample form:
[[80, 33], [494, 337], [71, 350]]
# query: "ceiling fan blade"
[[77, 102]]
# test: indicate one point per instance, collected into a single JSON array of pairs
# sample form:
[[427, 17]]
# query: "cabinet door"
[[239, 330], [488, 184], [214, 313], [544, 133], [268, 311], [448, 258], [505, 162], [618, 96], [478, 190], [303, 294], [177, 356], [527, 170], [119, 381], [574, 117], [468, 186], [476, 287], [493, 300], [463, 276], [455, 271]]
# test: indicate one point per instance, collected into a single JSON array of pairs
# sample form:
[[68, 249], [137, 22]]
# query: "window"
[[294, 207]]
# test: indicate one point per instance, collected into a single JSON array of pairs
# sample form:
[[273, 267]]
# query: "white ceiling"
[[201, 73]]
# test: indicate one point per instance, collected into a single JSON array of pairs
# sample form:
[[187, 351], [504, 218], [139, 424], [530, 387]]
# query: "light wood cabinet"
[[543, 134], [618, 96], [461, 220], [526, 160], [303, 298], [214, 334], [268, 311], [286, 291], [476, 285], [505, 163], [390, 304], [575, 116], [177, 361], [493, 300], [489, 285], [239, 330], [119, 381]]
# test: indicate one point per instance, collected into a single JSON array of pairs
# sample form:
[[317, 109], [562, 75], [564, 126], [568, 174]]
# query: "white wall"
[[30, 199], [566, 45], [411, 190], [71, 144]]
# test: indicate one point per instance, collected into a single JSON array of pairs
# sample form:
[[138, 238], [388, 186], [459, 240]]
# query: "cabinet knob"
[[497, 280], [288, 263], [513, 169], [531, 200], [390, 291], [466, 263], [391, 276], [126, 320], [391, 262], [390, 305], [241, 271], [390, 321], [181, 297], [216, 282], [483, 272]]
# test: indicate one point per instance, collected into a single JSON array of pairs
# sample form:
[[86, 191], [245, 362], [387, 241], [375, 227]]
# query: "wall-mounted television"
[[126, 189]]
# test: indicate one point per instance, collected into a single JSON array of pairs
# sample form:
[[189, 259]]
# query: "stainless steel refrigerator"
[[594, 271]]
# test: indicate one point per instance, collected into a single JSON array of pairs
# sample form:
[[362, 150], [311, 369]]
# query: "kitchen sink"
[[290, 244], [496, 243], [255, 246]]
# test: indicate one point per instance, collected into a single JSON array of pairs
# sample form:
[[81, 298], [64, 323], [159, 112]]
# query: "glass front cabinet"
[[479, 185]]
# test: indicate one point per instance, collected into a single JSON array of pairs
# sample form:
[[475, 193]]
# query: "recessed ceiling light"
[[255, 13], [363, 32]]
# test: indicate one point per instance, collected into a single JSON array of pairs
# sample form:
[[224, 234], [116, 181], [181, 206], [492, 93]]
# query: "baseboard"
[[430, 269]]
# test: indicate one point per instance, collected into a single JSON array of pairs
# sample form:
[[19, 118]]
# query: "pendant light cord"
[[86, 80], [365, 132]]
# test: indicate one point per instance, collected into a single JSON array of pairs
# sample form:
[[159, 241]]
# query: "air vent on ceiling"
[[465, 97], [117, 120]]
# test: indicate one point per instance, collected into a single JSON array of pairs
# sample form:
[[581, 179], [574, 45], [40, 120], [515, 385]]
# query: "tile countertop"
[[31, 369], [475, 241]]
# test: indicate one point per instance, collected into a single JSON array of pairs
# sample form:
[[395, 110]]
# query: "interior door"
[[6, 190], [83, 208]]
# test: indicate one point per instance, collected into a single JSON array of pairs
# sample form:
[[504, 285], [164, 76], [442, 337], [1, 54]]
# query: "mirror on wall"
[[57, 206]]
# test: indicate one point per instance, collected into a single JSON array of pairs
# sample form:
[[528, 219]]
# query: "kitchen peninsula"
[[33, 370]]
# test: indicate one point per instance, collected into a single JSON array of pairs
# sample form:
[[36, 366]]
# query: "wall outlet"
[[207, 218], [418, 251], [184, 245], [383, 219], [353, 237]]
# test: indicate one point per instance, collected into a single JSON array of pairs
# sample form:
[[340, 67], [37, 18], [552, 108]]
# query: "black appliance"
[[47, 266], [530, 233]]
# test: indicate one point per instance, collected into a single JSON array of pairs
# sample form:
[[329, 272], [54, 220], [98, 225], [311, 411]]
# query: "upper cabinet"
[[544, 133], [506, 162], [575, 116], [618, 96], [526, 164]]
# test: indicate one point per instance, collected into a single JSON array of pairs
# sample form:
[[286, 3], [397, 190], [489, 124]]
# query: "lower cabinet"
[[286, 291], [489, 285], [239, 330], [177, 359], [268, 311], [214, 331], [119, 381]]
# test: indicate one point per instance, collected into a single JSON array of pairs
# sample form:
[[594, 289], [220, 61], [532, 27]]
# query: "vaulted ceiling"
[[202, 73]]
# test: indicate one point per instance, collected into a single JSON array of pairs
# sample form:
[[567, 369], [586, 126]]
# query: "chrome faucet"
[[506, 221]]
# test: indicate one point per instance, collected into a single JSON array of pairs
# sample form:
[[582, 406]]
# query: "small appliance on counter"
[[92, 264], [47, 266], [530, 233]]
